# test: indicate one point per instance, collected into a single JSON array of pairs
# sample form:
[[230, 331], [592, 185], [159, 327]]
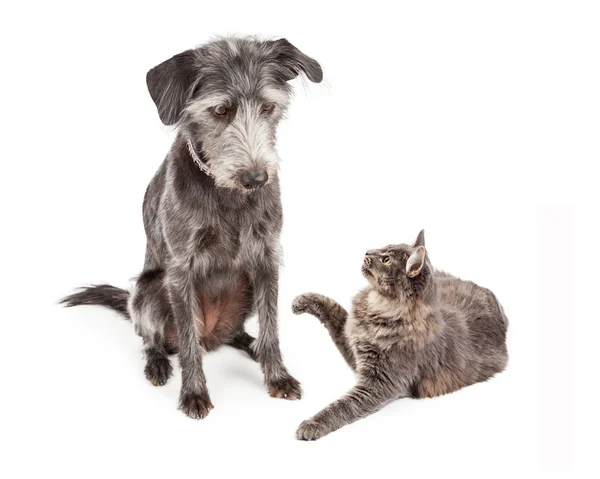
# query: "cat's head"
[[399, 270]]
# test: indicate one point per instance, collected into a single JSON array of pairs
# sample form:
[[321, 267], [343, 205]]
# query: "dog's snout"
[[254, 179]]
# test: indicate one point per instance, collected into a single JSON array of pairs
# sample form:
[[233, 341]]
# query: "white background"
[[477, 121]]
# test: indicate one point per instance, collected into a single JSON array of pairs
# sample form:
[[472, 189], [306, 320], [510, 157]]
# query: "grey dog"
[[212, 215]]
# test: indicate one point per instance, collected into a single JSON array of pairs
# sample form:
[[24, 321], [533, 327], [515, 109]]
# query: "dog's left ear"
[[170, 84], [293, 62]]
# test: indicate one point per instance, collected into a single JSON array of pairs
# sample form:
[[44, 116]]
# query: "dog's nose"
[[254, 179]]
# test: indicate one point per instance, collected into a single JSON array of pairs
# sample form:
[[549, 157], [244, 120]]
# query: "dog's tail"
[[100, 295]]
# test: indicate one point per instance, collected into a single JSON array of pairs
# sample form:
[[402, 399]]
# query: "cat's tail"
[[100, 295]]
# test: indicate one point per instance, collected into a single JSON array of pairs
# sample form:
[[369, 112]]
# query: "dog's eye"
[[268, 107], [220, 110], [386, 260]]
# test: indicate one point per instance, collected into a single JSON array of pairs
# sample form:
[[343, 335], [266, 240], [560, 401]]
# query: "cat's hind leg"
[[333, 317]]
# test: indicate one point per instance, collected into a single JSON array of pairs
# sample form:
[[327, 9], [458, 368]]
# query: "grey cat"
[[414, 332]]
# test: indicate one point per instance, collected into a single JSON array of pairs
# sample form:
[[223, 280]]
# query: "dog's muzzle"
[[254, 179]]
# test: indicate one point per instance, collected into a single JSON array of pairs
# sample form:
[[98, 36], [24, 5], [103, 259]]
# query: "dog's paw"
[[305, 303], [158, 371], [285, 388], [196, 406], [311, 430]]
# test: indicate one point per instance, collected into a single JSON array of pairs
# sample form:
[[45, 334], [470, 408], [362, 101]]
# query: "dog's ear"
[[293, 62], [170, 84]]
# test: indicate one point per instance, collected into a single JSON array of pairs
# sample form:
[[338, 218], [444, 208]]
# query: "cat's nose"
[[371, 252]]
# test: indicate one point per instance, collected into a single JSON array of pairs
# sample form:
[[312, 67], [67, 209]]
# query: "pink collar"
[[203, 166]]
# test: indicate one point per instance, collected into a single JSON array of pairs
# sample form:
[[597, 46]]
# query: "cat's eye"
[[268, 107], [386, 260], [220, 110]]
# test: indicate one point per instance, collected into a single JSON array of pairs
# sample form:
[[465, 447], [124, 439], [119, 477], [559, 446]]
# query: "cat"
[[414, 332]]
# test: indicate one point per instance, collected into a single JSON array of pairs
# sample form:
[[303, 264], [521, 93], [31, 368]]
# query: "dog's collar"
[[203, 166]]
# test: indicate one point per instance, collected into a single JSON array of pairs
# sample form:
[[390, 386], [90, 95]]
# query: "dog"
[[212, 215]]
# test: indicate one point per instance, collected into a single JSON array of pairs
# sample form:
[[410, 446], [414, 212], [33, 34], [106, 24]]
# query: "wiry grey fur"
[[212, 255], [414, 332]]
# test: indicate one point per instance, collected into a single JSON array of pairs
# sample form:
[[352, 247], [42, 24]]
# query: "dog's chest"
[[248, 238], [251, 245]]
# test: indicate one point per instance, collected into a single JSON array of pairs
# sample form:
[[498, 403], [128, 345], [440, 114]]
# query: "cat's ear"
[[420, 241], [415, 262]]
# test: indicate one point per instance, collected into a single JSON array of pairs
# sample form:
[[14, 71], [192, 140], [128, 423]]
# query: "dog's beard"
[[229, 158], [246, 144], [227, 170]]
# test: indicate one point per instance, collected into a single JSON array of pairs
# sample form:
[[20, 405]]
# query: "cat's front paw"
[[285, 388], [311, 430], [305, 303]]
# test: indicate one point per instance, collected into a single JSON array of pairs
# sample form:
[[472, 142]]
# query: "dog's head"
[[227, 97]]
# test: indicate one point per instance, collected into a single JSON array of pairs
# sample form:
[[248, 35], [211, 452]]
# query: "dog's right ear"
[[170, 84], [293, 62]]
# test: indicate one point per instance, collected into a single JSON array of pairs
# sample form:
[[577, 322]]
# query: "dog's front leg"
[[279, 382], [194, 400]]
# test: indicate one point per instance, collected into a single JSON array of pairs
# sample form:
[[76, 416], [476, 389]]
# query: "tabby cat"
[[414, 332]]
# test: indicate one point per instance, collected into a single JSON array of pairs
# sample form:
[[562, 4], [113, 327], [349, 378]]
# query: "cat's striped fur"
[[414, 332]]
